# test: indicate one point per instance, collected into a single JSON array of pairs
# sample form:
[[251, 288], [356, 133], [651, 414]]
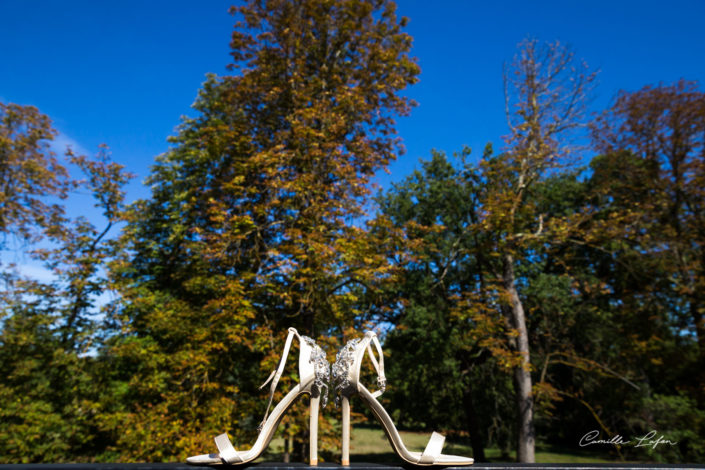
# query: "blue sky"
[[122, 73]]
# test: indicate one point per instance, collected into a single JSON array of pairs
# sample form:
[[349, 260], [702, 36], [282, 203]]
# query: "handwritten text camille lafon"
[[650, 439]]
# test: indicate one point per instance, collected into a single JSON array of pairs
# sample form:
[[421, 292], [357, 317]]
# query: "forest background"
[[547, 285]]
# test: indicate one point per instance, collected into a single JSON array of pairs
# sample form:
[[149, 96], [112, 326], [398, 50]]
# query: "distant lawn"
[[370, 444]]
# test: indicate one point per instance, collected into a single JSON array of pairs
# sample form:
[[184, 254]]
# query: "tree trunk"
[[287, 445], [299, 448], [526, 438], [476, 440], [699, 321]]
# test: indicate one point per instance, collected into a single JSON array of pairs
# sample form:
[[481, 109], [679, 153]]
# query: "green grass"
[[370, 444]]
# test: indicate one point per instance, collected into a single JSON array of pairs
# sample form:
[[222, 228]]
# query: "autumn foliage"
[[521, 297]]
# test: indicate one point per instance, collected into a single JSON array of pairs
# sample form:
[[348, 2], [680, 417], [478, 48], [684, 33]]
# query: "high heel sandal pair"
[[314, 375]]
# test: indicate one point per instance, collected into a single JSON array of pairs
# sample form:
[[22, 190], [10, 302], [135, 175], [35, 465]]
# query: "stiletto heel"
[[346, 431], [314, 372], [313, 432], [346, 376]]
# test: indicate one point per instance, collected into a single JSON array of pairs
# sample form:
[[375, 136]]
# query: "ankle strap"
[[277, 373], [378, 363]]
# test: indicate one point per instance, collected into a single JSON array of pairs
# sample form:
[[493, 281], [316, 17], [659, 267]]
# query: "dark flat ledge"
[[355, 466]]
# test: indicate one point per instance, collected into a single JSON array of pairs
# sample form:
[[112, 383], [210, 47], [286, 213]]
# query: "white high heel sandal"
[[313, 375], [346, 376]]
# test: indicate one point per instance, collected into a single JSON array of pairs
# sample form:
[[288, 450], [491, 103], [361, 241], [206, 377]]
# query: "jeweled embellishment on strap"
[[321, 369], [381, 384], [343, 360]]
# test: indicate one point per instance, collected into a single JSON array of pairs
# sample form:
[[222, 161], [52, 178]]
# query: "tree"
[[647, 186], [474, 254], [439, 347], [250, 228], [48, 334], [29, 172], [660, 132], [546, 92]]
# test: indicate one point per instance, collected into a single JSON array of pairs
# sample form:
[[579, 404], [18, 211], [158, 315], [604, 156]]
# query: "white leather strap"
[[433, 449], [277, 373], [226, 449]]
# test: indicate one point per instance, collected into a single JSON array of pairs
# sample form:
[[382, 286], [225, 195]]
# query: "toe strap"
[[226, 449], [433, 449]]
